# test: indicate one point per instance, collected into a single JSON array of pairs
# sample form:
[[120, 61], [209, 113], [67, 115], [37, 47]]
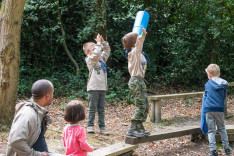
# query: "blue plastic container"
[[141, 21]]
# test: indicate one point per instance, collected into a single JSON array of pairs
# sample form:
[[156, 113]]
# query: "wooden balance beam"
[[194, 130], [114, 150], [126, 149], [231, 84], [230, 132], [156, 104]]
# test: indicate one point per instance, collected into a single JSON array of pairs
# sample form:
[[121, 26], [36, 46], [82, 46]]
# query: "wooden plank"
[[229, 128], [181, 95], [218, 137], [231, 84], [171, 96], [230, 137], [113, 150], [164, 135], [230, 133]]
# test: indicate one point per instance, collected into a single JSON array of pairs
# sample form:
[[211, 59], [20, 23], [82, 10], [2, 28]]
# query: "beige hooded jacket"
[[137, 63], [25, 129], [97, 77]]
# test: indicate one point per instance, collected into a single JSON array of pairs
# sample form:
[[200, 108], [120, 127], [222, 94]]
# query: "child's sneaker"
[[214, 153], [228, 151], [90, 129], [104, 131]]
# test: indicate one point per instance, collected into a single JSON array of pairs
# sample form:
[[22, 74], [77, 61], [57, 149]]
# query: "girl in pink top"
[[74, 138]]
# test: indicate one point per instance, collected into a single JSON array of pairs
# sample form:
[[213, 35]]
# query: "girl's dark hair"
[[74, 112]]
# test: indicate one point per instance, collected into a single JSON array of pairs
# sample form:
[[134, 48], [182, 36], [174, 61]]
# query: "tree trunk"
[[212, 56], [101, 20], [10, 29], [146, 3]]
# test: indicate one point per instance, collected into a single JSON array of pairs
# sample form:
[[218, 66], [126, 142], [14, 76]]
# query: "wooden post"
[[153, 111], [158, 107], [156, 102], [225, 107]]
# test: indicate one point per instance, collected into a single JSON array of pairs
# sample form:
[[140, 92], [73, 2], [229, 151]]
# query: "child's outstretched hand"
[[102, 40], [99, 38], [144, 31]]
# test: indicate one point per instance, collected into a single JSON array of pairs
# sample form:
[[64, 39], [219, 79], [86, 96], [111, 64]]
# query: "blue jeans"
[[96, 104], [213, 119]]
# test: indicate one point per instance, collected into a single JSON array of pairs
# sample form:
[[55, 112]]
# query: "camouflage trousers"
[[138, 90]]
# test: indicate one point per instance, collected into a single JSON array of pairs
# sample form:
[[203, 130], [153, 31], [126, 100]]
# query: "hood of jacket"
[[218, 83], [39, 109]]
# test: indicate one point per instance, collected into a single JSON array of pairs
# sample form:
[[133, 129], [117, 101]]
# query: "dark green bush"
[[183, 38]]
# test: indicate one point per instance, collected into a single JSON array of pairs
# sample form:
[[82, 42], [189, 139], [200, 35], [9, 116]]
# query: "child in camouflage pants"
[[137, 63]]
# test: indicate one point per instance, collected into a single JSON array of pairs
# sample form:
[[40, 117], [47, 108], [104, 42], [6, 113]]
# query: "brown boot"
[[132, 131], [141, 129]]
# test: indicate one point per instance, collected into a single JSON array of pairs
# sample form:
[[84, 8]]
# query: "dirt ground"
[[175, 113]]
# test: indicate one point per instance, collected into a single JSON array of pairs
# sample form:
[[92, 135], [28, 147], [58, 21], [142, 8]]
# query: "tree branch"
[[64, 41]]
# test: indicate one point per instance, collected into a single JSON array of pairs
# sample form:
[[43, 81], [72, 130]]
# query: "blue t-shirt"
[[40, 145]]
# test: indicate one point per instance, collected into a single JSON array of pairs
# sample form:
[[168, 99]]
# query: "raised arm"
[[92, 59], [140, 41], [105, 51]]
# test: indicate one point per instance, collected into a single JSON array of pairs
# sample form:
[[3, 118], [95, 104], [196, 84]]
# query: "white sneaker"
[[104, 131], [90, 129]]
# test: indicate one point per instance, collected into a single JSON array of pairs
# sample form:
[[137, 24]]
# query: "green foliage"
[[66, 83], [189, 101], [118, 90], [4, 128], [183, 38], [63, 106]]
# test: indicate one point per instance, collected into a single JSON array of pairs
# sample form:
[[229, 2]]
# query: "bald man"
[[26, 137]]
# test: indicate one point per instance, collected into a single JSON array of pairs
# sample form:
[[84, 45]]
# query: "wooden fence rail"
[[157, 105]]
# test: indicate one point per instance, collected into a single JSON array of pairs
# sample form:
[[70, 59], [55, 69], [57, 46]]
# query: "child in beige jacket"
[[137, 64], [96, 57]]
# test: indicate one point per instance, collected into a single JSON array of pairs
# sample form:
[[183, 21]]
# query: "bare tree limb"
[[64, 40]]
